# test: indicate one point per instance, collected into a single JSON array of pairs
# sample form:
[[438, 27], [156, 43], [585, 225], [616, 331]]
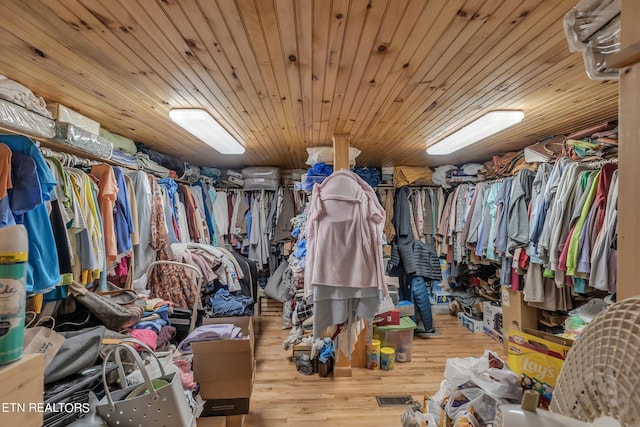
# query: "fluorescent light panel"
[[204, 127], [487, 125]]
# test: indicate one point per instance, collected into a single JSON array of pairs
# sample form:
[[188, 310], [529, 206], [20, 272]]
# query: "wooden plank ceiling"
[[284, 75]]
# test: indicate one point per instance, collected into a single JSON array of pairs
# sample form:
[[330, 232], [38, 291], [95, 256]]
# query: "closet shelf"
[[63, 148], [57, 146]]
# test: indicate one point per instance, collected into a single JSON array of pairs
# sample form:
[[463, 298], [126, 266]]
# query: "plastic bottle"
[[14, 248]]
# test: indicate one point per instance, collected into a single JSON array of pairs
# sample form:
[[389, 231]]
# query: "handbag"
[[40, 339], [160, 401], [116, 308], [544, 151]]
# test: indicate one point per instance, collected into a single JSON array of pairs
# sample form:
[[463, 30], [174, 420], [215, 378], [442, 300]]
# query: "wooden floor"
[[282, 396]]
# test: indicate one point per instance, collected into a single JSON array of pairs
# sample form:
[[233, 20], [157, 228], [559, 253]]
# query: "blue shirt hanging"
[[122, 215], [43, 272]]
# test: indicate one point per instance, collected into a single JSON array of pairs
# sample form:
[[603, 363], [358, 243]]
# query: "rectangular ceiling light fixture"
[[487, 125], [204, 127]]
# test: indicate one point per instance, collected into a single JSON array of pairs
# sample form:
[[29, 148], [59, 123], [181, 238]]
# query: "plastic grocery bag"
[[494, 376], [488, 372], [412, 416], [484, 406]]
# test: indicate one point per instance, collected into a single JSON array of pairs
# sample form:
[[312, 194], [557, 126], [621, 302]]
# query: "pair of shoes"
[[426, 334]]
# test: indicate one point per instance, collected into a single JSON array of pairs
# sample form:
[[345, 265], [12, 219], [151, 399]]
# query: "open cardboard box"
[[225, 369], [230, 421], [538, 358]]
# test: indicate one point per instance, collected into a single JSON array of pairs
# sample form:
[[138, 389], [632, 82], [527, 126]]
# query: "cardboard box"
[[469, 323], [407, 308], [221, 407], [493, 334], [235, 421], [389, 318], [67, 115], [439, 297], [225, 369], [538, 358], [211, 422], [229, 421], [492, 317], [516, 312]]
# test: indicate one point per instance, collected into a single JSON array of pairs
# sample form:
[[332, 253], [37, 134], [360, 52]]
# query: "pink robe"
[[344, 235]]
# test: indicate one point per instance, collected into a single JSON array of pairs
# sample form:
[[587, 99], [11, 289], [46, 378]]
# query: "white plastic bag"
[[412, 416], [488, 372], [458, 370], [493, 376], [484, 405], [325, 155]]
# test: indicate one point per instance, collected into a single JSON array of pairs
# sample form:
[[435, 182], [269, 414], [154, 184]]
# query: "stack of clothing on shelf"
[[371, 176], [315, 175]]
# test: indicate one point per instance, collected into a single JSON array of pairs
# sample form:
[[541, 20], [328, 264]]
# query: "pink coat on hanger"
[[344, 235]]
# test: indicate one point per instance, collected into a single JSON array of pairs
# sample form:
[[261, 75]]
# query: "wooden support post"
[[340, 152], [342, 367], [629, 153]]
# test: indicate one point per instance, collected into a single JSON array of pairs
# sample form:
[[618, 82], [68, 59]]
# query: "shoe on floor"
[[426, 334]]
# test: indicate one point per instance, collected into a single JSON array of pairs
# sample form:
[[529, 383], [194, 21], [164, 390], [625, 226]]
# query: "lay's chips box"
[[538, 358]]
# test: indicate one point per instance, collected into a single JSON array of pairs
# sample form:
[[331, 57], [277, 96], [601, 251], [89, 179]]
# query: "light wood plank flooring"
[[282, 396]]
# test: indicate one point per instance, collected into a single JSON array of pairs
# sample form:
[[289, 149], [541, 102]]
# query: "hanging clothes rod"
[[72, 160], [69, 160]]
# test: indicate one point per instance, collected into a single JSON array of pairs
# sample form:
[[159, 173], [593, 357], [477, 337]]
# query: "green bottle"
[[14, 248]]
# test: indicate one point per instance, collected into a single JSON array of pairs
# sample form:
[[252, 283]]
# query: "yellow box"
[[538, 360]]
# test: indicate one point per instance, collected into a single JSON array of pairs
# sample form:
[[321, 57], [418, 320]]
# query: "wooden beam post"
[[342, 367], [629, 153], [341, 152]]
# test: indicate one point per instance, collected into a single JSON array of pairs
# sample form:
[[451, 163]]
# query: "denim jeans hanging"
[[414, 289]]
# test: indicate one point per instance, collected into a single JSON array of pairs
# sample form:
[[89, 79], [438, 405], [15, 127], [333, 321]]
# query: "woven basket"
[[601, 376]]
